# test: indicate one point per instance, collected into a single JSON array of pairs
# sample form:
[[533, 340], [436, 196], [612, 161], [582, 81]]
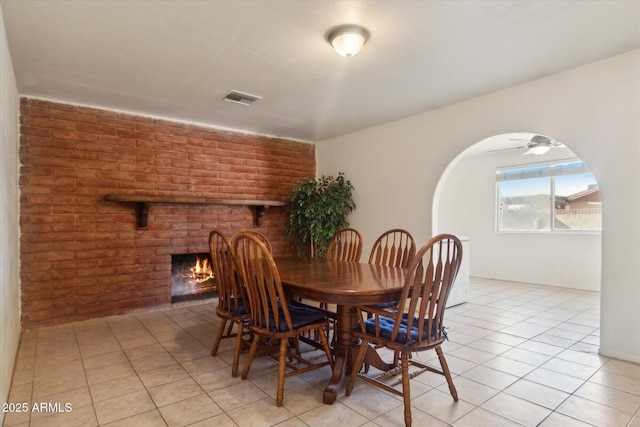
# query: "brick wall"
[[83, 257]]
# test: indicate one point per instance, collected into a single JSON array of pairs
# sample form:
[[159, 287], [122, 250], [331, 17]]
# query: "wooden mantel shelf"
[[144, 202]]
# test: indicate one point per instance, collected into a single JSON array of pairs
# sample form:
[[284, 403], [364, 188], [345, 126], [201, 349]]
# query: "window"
[[548, 197]]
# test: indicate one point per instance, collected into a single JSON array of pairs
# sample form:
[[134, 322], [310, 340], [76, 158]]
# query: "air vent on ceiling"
[[241, 98]]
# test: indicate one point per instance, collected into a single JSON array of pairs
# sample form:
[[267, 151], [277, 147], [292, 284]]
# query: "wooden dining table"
[[347, 285]]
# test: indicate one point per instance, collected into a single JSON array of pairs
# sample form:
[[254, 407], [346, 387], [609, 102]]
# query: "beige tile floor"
[[521, 355]]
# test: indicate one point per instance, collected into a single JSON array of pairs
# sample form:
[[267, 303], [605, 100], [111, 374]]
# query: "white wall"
[[595, 109], [9, 219], [467, 207]]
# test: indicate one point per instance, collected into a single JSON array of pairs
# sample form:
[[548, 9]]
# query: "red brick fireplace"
[[83, 256]]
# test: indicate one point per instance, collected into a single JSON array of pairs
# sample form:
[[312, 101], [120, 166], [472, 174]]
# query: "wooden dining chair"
[[345, 245], [416, 325], [259, 234], [233, 301], [395, 248], [272, 318]]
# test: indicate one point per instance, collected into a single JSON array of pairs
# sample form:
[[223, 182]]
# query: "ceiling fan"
[[540, 144]]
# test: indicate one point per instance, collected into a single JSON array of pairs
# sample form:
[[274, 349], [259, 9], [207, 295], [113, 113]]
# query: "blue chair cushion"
[[387, 304], [300, 316], [240, 310], [387, 324]]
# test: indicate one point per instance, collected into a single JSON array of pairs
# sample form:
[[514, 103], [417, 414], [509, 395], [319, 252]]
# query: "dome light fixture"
[[347, 40]]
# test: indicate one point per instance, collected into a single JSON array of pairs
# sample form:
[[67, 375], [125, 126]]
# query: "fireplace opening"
[[191, 277]]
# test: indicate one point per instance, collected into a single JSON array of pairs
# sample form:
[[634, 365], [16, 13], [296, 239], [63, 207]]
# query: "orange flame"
[[201, 271]]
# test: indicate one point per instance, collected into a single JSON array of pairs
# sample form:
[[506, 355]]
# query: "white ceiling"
[[178, 59]]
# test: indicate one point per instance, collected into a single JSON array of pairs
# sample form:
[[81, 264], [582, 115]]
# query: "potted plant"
[[317, 209]]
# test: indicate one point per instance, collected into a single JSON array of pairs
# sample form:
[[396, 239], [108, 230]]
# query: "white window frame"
[[550, 169]]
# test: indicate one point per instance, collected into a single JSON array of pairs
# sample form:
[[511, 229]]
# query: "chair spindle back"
[[268, 301], [345, 245], [395, 248]]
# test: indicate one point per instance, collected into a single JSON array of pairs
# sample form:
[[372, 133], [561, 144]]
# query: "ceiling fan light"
[[348, 40], [540, 148]]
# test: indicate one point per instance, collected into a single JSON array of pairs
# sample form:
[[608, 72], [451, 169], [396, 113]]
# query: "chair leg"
[[447, 374], [282, 364], [356, 366], [236, 352], [324, 340], [252, 352], [332, 331], [216, 343], [406, 388], [325, 343], [296, 344], [230, 328]]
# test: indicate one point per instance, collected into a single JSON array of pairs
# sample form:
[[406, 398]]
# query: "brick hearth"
[[83, 257]]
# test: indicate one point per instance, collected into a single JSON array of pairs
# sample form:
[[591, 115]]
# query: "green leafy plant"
[[317, 209]]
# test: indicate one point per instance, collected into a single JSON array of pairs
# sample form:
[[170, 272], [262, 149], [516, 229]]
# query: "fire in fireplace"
[[191, 276]]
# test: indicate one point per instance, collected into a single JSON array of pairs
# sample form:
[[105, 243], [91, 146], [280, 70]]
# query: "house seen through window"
[[562, 196]]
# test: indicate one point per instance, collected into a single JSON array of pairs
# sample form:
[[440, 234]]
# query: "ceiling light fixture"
[[347, 40], [540, 148]]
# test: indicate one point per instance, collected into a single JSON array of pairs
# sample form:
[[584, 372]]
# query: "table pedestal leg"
[[343, 351], [372, 358], [346, 351]]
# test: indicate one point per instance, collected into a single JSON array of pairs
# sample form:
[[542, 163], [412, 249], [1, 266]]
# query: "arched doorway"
[[467, 202]]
